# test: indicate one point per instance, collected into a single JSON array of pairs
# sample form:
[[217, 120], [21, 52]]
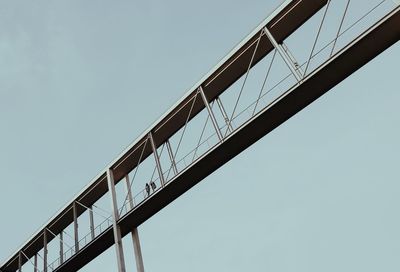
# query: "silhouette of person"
[[153, 185], [147, 189]]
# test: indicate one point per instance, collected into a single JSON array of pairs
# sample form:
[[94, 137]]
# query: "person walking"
[[153, 186], [148, 189]]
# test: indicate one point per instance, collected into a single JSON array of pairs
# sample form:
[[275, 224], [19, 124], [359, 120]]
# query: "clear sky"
[[80, 80]]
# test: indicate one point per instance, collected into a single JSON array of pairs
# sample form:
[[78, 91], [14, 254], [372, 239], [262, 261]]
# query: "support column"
[[171, 157], [222, 109], [158, 164], [135, 234], [283, 54], [35, 268], [116, 228], [19, 261], [76, 233], [44, 251], [61, 247], [91, 219], [210, 112]]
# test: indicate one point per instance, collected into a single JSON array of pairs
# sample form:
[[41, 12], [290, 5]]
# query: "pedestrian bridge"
[[298, 53]]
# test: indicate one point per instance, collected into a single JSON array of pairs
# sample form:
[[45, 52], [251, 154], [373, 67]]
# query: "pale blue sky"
[[79, 80]]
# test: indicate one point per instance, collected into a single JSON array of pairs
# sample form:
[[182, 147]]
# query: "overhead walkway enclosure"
[[266, 39]]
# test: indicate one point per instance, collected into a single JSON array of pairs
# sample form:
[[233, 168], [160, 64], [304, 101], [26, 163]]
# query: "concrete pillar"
[[117, 231], [135, 234]]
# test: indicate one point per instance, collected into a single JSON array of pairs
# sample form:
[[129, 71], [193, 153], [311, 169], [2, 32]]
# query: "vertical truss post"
[[283, 54], [116, 228], [45, 250], [35, 269], [61, 247], [158, 164], [222, 109], [19, 261], [91, 221], [171, 157], [210, 112], [76, 233], [129, 192], [292, 58], [135, 233]]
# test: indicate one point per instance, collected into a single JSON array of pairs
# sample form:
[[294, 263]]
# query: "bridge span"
[[215, 121]]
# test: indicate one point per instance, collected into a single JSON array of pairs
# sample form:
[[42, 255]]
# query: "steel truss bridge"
[[302, 50]]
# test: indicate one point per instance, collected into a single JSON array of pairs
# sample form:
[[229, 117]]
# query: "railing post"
[[283, 54], [76, 233], [210, 112], [116, 228], [135, 234], [158, 164]]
